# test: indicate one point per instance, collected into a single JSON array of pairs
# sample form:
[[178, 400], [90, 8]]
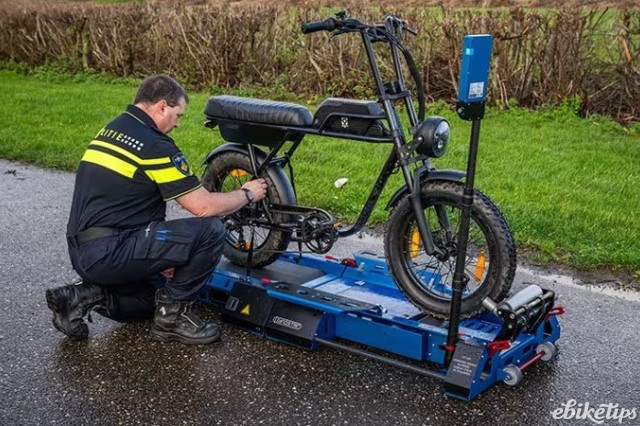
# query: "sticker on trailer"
[[476, 90]]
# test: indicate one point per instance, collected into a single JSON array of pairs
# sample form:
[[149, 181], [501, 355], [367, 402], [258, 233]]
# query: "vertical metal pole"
[[463, 236]]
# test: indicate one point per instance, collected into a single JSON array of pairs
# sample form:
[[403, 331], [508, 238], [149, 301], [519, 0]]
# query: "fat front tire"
[[427, 281], [227, 172]]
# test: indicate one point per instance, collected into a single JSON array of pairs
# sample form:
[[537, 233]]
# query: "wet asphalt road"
[[120, 376]]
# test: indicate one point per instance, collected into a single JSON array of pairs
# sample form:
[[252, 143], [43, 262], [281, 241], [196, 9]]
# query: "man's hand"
[[168, 273], [258, 188], [203, 203]]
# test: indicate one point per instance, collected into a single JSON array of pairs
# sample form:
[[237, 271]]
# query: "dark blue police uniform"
[[117, 234]]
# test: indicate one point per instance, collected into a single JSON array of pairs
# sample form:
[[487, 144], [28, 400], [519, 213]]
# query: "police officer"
[[119, 241]]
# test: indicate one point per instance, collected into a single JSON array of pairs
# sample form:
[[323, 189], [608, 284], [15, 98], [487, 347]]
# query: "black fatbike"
[[421, 235]]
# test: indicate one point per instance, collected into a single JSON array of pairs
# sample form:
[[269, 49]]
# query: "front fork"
[[415, 196], [414, 185]]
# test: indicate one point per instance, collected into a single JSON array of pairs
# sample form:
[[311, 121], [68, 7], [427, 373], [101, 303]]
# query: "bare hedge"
[[540, 56]]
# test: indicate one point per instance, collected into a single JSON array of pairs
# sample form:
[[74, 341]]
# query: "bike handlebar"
[[347, 25], [326, 25]]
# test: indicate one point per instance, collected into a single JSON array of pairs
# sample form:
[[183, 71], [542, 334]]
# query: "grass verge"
[[568, 186]]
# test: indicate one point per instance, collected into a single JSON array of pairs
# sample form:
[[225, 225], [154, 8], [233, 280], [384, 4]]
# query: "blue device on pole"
[[476, 64]]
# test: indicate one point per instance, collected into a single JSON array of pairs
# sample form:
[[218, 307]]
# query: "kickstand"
[[300, 249], [250, 255]]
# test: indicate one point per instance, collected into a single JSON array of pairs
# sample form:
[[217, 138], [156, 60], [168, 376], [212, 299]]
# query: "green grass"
[[569, 186]]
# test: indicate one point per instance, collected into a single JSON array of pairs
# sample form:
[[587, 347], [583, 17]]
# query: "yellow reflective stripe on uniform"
[[150, 162], [110, 162], [167, 175]]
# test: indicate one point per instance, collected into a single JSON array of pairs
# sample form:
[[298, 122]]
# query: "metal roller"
[[520, 299], [490, 305]]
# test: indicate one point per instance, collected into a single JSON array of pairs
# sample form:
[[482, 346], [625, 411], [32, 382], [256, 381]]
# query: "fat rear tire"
[[272, 242]]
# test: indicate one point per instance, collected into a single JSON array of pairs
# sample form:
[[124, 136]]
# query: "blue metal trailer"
[[353, 304]]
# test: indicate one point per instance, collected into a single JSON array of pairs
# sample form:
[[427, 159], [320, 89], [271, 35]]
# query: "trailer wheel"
[[513, 375], [550, 351]]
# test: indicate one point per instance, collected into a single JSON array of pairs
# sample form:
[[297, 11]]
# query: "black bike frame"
[[401, 156]]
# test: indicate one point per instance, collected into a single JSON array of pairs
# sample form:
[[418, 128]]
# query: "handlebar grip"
[[312, 27]]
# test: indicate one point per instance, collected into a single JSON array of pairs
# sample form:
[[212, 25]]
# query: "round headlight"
[[433, 136]]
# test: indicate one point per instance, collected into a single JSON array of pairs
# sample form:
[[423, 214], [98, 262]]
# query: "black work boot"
[[175, 321], [70, 304]]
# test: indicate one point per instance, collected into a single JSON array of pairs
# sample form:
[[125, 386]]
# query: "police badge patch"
[[181, 164]]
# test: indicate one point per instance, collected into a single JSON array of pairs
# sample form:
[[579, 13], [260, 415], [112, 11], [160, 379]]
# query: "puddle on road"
[[594, 288]]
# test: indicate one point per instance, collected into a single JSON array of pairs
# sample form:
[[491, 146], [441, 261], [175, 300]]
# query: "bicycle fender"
[[275, 172], [425, 175], [233, 147]]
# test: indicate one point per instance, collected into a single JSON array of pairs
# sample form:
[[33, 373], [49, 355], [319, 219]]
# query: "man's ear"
[[162, 105]]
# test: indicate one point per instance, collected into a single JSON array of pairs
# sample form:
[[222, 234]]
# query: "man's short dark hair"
[[158, 87]]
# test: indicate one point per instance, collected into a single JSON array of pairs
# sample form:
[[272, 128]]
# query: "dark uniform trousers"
[[129, 264]]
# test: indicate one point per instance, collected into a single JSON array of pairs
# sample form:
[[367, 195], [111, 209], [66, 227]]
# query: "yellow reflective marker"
[[170, 174], [135, 158], [415, 243], [480, 266], [246, 310], [236, 173]]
